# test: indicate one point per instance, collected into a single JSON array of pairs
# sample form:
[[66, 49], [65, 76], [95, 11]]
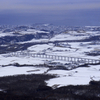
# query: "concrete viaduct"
[[56, 57]]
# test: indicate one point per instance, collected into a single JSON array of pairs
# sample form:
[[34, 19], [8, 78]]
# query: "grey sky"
[[69, 12]]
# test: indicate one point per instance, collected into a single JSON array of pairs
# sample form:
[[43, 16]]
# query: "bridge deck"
[[56, 57]]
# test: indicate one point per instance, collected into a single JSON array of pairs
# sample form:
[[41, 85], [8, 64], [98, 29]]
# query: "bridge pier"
[[65, 58], [68, 58]]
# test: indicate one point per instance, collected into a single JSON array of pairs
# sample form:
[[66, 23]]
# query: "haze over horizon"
[[58, 12]]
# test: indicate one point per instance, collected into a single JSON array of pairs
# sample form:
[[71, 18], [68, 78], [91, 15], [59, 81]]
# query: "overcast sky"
[[61, 12]]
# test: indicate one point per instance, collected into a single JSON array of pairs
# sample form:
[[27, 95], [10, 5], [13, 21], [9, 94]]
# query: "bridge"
[[56, 57]]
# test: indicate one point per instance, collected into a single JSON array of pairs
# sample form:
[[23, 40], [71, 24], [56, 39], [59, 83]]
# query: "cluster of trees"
[[33, 87]]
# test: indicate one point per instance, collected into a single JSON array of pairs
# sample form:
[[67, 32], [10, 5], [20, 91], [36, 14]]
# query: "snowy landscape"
[[47, 39]]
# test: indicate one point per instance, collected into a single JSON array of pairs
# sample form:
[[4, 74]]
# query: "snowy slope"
[[74, 35], [79, 76], [12, 70]]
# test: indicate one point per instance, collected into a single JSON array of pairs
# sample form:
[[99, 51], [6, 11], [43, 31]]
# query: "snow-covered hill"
[[50, 40]]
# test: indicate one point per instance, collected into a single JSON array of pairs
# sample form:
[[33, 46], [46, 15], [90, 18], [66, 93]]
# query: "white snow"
[[6, 34], [20, 60], [32, 31], [39, 48], [67, 37], [74, 35], [35, 40], [12, 70], [1, 90], [79, 76]]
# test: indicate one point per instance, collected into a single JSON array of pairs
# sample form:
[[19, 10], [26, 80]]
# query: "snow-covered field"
[[32, 31], [78, 76], [73, 35], [20, 60], [12, 70]]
